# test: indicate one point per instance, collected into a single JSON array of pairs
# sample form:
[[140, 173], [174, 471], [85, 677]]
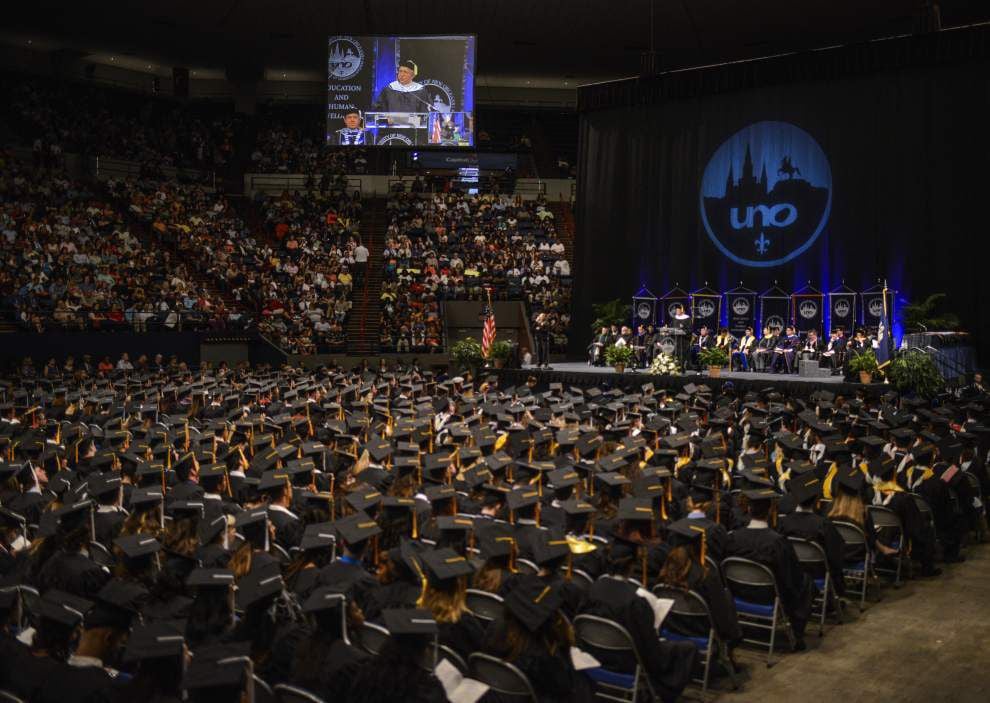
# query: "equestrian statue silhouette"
[[787, 168]]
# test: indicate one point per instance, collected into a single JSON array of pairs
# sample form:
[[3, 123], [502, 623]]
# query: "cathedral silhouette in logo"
[[766, 194]]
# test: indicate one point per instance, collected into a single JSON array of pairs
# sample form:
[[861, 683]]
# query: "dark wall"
[[14, 346], [905, 131]]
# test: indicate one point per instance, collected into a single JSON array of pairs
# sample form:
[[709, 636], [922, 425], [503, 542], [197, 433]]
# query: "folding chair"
[[746, 578], [690, 605], [484, 605], [713, 566], [815, 563], [974, 484], [525, 566], [100, 554], [582, 578], [445, 652], [855, 570], [608, 635], [372, 637], [924, 509], [279, 553], [886, 521], [502, 677], [262, 691], [284, 693], [8, 697]]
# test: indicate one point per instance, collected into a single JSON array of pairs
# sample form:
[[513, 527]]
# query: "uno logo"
[[766, 194], [345, 57], [808, 309], [740, 306]]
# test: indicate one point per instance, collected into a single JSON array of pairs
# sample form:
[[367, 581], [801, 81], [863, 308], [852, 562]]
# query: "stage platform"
[[583, 376]]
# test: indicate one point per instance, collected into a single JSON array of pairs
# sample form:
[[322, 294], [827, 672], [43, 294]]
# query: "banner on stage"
[[706, 309], [872, 311], [741, 305], [775, 308], [842, 308], [808, 309], [668, 304]]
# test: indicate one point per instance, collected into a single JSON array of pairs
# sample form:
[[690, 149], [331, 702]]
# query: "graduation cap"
[[357, 528], [409, 621], [758, 495], [257, 586], [564, 477], [361, 498], [138, 546], [523, 497], [635, 509], [210, 578], [324, 598], [207, 530], [805, 488], [533, 602], [577, 506], [220, 666], [62, 608], [612, 479], [683, 533], [158, 640], [445, 565]]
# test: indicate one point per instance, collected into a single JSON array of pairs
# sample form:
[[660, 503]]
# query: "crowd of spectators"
[[292, 141], [59, 117], [71, 261], [308, 280], [455, 246]]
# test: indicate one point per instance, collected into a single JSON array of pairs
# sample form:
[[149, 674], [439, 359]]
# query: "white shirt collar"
[[281, 509], [758, 524]]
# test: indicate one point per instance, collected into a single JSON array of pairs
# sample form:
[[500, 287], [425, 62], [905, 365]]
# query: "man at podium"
[[404, 94]]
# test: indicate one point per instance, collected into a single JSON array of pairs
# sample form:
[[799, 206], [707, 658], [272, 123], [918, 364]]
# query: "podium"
[[429, 128]]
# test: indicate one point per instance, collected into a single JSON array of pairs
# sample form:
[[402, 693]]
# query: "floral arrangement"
[[665, 364]]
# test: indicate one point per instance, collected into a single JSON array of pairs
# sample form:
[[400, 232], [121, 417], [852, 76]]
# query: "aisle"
[[927, 641]]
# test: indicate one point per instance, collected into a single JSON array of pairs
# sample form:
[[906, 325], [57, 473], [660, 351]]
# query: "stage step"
[[810, 368]]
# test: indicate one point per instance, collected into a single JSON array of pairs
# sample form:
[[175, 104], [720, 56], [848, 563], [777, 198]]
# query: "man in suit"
[[834, 351], [704, 341], [811, 347]]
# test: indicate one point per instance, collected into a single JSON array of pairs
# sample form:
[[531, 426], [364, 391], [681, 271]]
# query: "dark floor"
[[927, 641]]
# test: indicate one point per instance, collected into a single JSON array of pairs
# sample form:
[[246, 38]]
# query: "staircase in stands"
[[563, 217], [364, 323]]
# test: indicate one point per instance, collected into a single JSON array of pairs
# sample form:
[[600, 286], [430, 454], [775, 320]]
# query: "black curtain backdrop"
[[904, 125]]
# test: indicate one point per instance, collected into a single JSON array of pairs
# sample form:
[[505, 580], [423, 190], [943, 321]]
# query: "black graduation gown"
[[464, 636], [552, 676], [71, 684], [74, 573], [668, 664], [213, 556], [187, 490], [770, 548], [708, 585], [288, 529], [304, 583], [821, 531], [398, 594], [715, 537], [107, 526], [335, 672], [352, 577], [24, 674], [916, 527]]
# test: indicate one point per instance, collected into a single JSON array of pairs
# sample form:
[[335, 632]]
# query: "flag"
[[885, 341], [488, 336], [435, 133]]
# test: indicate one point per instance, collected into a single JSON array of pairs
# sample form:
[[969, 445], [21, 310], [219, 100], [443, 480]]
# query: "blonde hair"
[[849, 508], [447, 604]]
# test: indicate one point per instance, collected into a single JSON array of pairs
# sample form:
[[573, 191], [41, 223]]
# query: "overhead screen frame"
[[371, 88]]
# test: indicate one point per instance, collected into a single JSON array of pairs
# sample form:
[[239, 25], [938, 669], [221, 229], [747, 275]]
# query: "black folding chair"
[[889, 525], [8, 697], [856, 570], [501, 677], [757, 598], [815, 564], [372, 637], [689, 605], [484, 605], [284, 693], [608, 635]]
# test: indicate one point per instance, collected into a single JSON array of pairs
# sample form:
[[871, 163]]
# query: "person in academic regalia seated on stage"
[[783, 353], [703, 341], [761, 543], [747, 343], [640, 344], [763, 354], [811, 347], [404, 94], [726, 341], [835, 350]]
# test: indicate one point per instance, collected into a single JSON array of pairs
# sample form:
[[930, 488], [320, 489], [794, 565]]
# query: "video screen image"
[[401, 91]]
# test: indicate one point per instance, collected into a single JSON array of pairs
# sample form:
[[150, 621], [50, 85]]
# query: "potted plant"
[[466, 353], [665, 364], [618, 356], [915, 372], [714, 358], [865, 365], [613, 312], [499, 352]]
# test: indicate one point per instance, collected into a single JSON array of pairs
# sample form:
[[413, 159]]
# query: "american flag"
[[488, 336], [435, 134]]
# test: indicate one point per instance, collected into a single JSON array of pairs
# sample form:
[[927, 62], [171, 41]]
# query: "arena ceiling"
[[568, 40]]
